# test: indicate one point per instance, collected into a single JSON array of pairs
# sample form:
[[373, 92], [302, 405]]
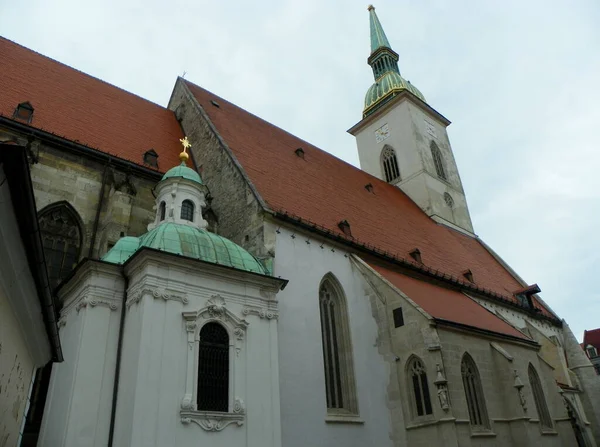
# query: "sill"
[[483, 434], [343, 419], [549, 432], [211, 420]]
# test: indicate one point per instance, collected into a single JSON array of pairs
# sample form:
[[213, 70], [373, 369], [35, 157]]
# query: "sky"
[[519, 81]]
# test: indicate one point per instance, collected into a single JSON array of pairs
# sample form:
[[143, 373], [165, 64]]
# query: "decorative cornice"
[[136, 296], [262, 312], [93, 303]]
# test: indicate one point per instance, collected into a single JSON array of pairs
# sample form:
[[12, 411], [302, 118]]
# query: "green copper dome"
[[389, 85], [183, 171], [190, 242]]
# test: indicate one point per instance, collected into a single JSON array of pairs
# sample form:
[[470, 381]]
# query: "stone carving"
[[93, 303], [261, 312], [442, 388], [212, 421], [238, 406], [133, 299], [519, 386], [216, 306], [166, 296], [239, 332], [190, 326], [62, 322], [186, 402]]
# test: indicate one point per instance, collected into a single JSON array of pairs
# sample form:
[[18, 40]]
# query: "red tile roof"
[[446, 304], [325, 190], [591, 338], [84, 109]]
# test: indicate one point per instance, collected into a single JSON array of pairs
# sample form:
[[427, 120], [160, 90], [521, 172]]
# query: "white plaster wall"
[[155, 356], [24, 344], [302, 382], [174, 192]]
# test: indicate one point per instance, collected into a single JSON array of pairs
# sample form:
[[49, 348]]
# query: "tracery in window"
[[474, 394], [449, 200], [337, 349], [418, 387], [390, 164], [162, 210], [187, 210], [538, 397], [438, 161], [61, 237], [213, 368]]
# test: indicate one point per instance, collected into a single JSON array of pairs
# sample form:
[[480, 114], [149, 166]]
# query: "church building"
[[221, 282]]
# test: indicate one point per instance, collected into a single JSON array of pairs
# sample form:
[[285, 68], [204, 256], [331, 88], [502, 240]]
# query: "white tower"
[[403, 141]]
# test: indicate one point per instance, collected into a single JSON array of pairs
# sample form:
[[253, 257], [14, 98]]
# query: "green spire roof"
[[183, 171], [378, 37], [190, 242]]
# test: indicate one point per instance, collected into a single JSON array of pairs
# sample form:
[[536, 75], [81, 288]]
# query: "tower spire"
[[378, 37]]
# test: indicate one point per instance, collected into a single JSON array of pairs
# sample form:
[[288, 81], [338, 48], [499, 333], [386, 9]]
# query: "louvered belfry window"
[[474, 394], [438, 161], [390, 164], [213, 368], [420, 388], [61, 237], [538, 397]]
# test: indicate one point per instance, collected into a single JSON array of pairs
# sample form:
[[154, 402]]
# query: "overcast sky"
[[519, 79]]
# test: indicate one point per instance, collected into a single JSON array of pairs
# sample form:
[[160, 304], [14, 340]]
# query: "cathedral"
[[218, 281]]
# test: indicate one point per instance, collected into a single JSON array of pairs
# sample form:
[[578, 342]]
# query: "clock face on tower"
[[382, 133]]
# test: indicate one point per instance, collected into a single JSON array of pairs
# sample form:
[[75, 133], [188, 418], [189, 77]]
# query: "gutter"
[[115, 392]]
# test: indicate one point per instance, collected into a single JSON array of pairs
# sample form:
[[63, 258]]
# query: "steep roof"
[[325, 190], [81, 108], [447, 305], [591, 338]]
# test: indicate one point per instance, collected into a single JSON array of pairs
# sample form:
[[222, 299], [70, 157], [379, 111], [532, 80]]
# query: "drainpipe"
[[99, 209], [113, 408]]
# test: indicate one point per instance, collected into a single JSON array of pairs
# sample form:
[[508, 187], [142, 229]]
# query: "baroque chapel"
[[218, 281]]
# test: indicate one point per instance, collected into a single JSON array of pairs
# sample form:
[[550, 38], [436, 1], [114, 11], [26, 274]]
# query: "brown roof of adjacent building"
[[448, 305], [591, 338], [86, 110], [325, 190]]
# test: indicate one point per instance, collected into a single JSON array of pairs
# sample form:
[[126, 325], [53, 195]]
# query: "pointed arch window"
[[337, 350], [438, 161], [162, 210], [390, 164], [213, 368], [418, 388], [62, 237], [540, 400], [474, 394], [187, 210]]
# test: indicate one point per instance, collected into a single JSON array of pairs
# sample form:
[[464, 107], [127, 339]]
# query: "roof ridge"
[[95, 78], [288, 133]]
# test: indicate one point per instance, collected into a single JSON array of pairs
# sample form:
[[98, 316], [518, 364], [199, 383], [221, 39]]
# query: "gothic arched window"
[[62, 237], [390, 164], [162, 208], [474, 394], [337, 349], [538, 397], [417, 378], [213, 368], [187, 210], [438, 161]]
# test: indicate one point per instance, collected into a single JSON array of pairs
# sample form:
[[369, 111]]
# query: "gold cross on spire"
[[183, 156]]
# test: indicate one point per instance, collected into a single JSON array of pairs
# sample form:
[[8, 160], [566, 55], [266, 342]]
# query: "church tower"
[[402, 140]]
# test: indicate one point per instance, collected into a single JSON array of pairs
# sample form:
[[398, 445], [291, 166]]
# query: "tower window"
[[213, 368], [162, 210], [592, 352], [24, 112], [449, 200], [474, 394], [337, 349], [390, 164], [538, 397], [421, 399], [187, 210], [438, 161], [61, 237]]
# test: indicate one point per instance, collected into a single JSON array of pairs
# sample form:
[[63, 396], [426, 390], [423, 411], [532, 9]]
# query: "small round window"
[[449, 200]]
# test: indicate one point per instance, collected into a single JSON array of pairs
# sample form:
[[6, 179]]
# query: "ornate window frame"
[[389, 164], [423, 384], [438, 161], [215, 311]]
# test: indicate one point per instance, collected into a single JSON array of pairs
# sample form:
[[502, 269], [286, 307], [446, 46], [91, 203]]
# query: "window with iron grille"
[[438, 161], [337, 349], [162, 210], [538, 397], [213, 368], [187, 210], [61, 237], [390, 164], [474, 394], [420, 389]]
